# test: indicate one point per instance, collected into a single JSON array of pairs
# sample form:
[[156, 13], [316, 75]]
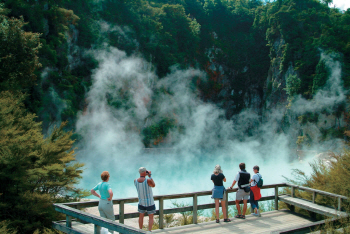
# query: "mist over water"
[[122, 101]]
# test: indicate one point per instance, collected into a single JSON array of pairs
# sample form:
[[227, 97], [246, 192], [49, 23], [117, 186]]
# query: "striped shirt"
[[145, 193]]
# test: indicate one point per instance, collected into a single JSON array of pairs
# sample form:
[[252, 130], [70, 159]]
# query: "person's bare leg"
[[255, 210], [238, 207], [150, 222], [244, 206], [223, 207], [217, 208], [141, 220]]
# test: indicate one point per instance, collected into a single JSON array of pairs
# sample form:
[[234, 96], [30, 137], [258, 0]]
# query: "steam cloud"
[[121, 102]]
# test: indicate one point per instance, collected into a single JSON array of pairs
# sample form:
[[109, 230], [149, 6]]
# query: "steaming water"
[[176, 173], [123, 96]]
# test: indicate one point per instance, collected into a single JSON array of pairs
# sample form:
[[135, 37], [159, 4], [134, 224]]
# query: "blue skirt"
[[218, 192]]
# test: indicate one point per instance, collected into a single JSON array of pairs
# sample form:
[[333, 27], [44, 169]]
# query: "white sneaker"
[[255, 214], [259, 213]]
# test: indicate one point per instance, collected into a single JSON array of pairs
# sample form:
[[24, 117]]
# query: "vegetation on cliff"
[[238, 43], [235, 42]]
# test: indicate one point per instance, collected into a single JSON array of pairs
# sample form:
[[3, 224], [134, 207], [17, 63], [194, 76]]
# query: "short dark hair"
[[256, 167], [104, 175], [242, 166]]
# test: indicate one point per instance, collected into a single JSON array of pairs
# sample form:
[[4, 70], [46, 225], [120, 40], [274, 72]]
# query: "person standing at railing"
[[146, 202], [255, 194], [219, 192], [105, 205], [243, 179]]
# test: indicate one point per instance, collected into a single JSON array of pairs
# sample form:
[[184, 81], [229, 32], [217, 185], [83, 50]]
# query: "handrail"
[[314, 194], [96, 220], [71, 209], [87, 204], [317, 191]]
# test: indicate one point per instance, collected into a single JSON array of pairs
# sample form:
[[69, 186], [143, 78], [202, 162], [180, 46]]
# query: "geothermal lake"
[[181, 173]]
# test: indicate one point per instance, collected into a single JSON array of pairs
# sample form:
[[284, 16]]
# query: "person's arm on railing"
[[233, 184], [93, 192]]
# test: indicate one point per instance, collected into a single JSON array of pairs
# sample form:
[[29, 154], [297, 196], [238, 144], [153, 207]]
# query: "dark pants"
[[253, 203]]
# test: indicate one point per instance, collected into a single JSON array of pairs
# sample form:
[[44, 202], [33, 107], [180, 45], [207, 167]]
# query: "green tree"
[[34, 172], [321, 76], [292, 85], [18, 54]]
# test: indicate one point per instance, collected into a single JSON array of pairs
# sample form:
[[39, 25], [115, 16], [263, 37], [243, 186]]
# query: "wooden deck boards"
[[269, 222]]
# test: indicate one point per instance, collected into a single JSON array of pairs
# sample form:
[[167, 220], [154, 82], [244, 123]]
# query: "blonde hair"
[[217, 169]]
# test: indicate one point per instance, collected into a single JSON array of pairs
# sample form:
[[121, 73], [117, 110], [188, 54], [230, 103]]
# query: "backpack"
[[260, 182]]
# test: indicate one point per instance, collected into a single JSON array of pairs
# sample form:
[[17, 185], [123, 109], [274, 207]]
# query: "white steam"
[[329, 96], [123, 100]]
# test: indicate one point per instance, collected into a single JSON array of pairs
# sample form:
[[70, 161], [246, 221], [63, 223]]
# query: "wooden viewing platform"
[[277, 221]]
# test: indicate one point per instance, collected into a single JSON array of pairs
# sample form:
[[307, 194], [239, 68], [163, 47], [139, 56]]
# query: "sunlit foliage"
[[34, 171]]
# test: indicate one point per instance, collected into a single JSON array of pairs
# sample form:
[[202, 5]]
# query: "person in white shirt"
[[243, 178], [255, 194]]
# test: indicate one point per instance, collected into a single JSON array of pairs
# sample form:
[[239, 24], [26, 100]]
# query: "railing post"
[[339, 203], [276, 198], [292, 208], [121, 212], [68, 221], [313, 197], [195, 208], [161, 213], [97, 229]]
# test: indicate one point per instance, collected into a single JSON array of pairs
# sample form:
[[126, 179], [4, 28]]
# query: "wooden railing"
[[315, 192], [73, 209], [89, 218]]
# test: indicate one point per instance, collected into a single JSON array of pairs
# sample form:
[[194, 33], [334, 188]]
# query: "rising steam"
[[126, 96]]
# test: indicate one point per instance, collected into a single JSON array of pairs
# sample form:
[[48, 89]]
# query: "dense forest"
[[239, 44], [255, 54]]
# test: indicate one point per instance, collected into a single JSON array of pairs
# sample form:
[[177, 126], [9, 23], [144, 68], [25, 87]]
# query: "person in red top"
[[255, 194]]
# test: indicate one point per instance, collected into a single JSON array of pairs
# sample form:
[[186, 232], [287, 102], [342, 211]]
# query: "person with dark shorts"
[[219, 193], [243, 179], [146, 202]]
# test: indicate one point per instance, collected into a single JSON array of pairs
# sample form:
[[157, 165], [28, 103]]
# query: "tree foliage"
[[236, 42], [34, 171], [18, 54]]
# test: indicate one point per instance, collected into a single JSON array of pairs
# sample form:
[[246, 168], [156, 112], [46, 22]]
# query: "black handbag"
[[246, 189]]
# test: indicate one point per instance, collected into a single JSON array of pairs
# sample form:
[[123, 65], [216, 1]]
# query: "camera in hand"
[[147, 172]]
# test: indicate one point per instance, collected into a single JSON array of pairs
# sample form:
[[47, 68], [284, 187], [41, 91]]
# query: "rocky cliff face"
[[308, 126], [304, 127]]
